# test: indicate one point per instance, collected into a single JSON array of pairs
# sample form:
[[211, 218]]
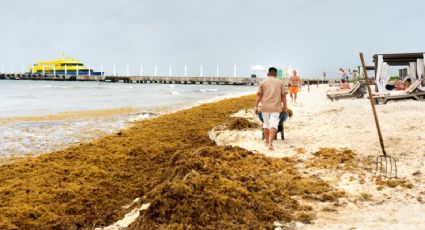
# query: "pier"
[[137, 79], [154, 79]]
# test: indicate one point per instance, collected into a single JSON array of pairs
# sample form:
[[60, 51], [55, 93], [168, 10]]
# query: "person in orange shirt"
[[294, 86], [344, 84]]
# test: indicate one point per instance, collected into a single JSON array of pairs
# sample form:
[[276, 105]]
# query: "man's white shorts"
[[271, 120]]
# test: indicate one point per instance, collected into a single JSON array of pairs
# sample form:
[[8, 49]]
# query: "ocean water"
[[29, 137], [36, 98]]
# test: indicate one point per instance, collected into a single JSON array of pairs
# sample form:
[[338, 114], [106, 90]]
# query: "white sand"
[[128, 219], [318, 122]]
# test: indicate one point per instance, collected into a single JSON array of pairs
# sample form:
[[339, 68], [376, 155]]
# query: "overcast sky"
[[312, 35]]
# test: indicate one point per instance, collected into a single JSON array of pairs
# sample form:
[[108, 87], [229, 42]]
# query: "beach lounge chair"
[[280, 129], [357, 90], [410, 93]]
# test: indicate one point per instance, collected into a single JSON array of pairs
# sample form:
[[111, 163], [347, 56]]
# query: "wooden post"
[[372, 103], [308, 82]]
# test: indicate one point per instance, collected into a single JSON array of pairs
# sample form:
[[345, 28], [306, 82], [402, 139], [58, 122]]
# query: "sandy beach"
[[318, 123], [154, 174]]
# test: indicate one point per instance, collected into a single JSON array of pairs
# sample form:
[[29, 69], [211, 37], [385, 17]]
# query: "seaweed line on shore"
[[172, 164]]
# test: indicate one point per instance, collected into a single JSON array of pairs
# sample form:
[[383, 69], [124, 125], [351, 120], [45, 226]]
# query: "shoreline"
[[113, 111], [30, 136], [72, 115], [112, 171]]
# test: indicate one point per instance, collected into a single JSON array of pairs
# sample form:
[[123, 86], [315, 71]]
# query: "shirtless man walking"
[[294, 86], [272, 95]]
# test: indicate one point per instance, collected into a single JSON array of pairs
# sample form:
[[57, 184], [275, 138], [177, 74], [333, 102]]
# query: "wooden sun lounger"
[[355, 91], [343, 91], [410, 93]]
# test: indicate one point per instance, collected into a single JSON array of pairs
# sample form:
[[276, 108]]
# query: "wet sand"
[[30, 136]]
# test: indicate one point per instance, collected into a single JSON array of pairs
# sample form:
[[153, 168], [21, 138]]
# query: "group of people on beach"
[[391, 85], [398, 85], [271, 95]]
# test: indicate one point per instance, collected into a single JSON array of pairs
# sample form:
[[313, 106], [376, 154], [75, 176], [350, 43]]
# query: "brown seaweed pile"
[[392, 183], [330, 158], [86, 114], [240, 123], [228, 188], [171, 162]]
